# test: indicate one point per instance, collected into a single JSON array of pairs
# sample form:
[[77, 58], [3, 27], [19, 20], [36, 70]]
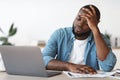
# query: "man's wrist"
[[68, 66], [96, 31]]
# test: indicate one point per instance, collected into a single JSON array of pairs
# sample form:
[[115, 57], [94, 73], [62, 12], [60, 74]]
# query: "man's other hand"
[[83, 69]]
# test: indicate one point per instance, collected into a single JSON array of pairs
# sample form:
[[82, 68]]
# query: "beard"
[[80, 34]]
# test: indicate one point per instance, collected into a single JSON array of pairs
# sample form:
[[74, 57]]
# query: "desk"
[[5, 76]]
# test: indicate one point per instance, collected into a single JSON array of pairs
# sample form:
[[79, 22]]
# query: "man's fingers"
[[83, 69], [93, 10], [87, 70], [87, 11], [90, 70]]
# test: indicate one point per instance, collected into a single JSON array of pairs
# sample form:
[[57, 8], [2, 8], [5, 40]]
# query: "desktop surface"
[[5, 76]]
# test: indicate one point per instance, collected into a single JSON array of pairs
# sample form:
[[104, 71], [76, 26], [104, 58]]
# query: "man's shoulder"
[[104, 36]]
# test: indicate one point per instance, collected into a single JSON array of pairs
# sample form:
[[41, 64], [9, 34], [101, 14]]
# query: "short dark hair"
[[96, 10]]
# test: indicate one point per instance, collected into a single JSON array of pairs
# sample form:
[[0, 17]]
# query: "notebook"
[[25, 60]]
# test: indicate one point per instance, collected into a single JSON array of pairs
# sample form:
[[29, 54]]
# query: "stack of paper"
[[116, 75], [99, 74]]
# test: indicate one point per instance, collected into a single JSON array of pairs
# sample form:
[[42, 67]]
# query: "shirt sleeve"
[[50, 50], [110, 61]]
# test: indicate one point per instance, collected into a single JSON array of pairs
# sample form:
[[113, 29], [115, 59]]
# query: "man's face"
[[80, 26]]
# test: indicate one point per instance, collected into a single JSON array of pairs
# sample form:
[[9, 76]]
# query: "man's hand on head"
[[90, 17]]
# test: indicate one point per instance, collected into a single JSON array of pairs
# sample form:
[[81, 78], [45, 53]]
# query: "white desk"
[[5, 76]]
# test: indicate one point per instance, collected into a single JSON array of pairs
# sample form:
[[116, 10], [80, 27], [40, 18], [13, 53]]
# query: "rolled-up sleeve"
[[110, 61], [47, 59], [49, 52]]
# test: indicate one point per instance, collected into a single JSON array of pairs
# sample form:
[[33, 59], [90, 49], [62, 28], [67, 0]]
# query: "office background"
[[37, 19]]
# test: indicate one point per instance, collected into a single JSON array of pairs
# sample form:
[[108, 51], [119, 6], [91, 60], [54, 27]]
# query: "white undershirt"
[[77, 53]]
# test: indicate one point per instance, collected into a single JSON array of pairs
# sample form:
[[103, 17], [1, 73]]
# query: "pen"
[[70, 74]]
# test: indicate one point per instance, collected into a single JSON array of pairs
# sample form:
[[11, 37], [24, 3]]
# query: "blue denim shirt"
[[60, 45]]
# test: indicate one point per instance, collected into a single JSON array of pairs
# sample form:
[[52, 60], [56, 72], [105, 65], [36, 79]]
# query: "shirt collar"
[[90, 37]]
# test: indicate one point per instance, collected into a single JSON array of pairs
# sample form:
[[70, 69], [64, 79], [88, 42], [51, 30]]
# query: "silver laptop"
[[25, 60]]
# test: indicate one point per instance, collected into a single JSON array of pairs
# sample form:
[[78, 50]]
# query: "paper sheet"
[[99, 74], [116, 75]]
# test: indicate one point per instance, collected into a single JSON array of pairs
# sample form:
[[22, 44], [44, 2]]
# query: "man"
[[81, 48]]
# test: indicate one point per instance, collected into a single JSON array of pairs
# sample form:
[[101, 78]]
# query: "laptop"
[[25, 60]]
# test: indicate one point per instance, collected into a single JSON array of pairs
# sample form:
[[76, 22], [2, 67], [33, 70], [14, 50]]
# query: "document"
[[116, 75], [99, 74]]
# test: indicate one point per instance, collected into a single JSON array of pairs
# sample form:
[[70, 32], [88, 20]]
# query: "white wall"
[[37, 19]]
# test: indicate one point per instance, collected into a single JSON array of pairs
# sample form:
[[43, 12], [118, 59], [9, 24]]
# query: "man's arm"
[[66, 66], [101, 46], [106, 57]]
